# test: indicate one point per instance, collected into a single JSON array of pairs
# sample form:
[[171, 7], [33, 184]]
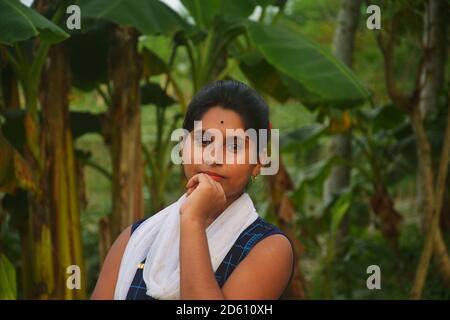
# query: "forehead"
[[222, 119]]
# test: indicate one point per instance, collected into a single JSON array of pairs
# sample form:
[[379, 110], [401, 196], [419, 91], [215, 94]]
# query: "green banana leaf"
[[152, 93], [19, 22], [312, 74], [263, 76], [89, 49], [147, 16], [8, 286]]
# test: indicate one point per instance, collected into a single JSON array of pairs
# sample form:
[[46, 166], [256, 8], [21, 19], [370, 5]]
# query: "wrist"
[[187, 218]]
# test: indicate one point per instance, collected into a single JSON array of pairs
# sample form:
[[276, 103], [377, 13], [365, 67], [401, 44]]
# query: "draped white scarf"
[[157, 239]]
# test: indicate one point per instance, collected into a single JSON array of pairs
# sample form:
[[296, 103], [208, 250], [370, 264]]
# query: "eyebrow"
[[231, 136]]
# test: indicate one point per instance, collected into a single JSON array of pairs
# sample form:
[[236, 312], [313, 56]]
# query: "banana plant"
[[26, 38], [124, 97]]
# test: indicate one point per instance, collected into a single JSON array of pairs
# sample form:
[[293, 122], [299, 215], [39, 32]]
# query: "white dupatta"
[[157, 240]]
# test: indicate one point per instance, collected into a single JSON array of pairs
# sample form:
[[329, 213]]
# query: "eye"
[[202, 141]]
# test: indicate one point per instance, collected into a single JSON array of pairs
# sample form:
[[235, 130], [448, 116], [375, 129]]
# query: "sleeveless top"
[[248, 238]]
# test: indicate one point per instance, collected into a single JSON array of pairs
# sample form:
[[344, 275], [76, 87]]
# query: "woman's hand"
[[205, 197]]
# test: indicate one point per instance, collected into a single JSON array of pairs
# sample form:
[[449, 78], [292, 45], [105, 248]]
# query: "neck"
[[229, 201]]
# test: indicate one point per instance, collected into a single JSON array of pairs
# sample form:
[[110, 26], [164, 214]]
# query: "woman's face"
[[231, 174]]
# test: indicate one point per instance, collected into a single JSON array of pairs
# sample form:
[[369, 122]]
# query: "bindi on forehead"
[[221, 121]]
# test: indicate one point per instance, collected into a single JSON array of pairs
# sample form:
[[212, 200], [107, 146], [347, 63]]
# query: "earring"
[[254, 178]]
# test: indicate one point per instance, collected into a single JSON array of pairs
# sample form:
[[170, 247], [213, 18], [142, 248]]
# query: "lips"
[[214, 175]]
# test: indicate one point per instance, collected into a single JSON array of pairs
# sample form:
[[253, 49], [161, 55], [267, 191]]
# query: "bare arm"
[[106, 283], [197, 280], [263, 274]]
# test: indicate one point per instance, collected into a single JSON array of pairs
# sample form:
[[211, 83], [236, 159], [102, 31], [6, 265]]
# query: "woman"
[[211, 243]]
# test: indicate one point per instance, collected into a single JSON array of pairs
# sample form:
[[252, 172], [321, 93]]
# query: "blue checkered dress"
[[254, 233]]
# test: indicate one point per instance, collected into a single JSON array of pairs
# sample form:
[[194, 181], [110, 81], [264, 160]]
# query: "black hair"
[[233, 95]]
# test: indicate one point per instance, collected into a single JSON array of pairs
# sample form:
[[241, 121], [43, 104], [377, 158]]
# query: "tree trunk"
[[432, 79], [280, 184], [39, 222], [340, 175], [62, 180], [344, 37], [434, 42], [125, 123], [435, 196], [343, 43], [39, 230], [432, 76]]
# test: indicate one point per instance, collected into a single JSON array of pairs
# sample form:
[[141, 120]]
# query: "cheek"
[[189, 170], [239, 174]]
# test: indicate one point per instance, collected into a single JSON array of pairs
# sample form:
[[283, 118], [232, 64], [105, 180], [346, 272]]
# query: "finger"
[[197, 179], [217, 186], [206, 180], [192, 181], [212, 182], [192, 185], [190, 190]]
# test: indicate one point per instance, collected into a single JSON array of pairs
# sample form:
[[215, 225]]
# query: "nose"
[[214, 156]]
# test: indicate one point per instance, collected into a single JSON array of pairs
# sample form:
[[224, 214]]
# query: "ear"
[[262, 158], [256, 169]]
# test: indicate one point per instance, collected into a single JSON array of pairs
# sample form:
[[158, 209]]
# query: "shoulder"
[[267, 269], [261, 230], [273, 243], [275, 251], [107, 279], [121, 242]]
